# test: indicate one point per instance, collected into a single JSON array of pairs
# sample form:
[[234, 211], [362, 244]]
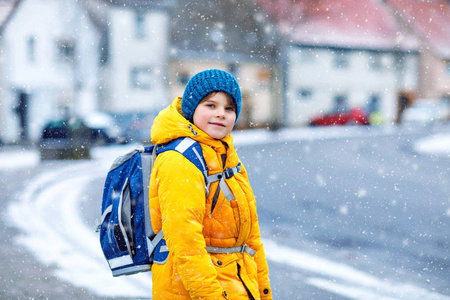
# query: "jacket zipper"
[[250, 296]]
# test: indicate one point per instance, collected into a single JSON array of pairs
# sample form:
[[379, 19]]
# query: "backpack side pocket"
[[126, 221]]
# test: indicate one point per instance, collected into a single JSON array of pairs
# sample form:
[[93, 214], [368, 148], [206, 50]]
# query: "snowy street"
[[341, 117], [345, 213]]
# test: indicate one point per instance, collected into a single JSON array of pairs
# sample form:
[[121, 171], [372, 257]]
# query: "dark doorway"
[[404, 99], [22, 112]]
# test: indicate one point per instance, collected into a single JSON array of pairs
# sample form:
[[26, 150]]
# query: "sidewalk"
[[21, 275]]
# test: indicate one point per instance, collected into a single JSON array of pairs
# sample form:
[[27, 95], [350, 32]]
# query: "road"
[[370, 203], [342, 218]]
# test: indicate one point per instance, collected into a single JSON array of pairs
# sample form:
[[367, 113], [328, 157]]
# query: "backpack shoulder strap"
[[190, 149]]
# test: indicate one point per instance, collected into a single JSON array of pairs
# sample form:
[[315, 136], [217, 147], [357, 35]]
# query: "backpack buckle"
[[228, 173], [231, 171]]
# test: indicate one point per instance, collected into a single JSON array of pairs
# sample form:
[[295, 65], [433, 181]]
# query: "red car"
[[354, 116]]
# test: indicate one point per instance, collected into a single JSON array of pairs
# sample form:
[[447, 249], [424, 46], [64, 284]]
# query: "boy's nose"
[[221, 112]]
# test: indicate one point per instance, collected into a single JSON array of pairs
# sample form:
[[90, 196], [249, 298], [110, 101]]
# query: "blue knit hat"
[[205, 82]]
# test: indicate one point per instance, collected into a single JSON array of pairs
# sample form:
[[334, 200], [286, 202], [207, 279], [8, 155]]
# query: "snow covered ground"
[[79, 259]]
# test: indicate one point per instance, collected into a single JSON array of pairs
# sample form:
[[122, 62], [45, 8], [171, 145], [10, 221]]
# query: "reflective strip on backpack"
[[147, 164], [151, 244], [120, 261], [133, 269], [164, 248], [202, 160], [184, 145], [224, 250], [191, 149], [107, 211]]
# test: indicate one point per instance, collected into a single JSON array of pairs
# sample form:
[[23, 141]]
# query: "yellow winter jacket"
[[178, 206]]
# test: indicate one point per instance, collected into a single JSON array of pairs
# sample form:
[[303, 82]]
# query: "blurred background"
[[344, 132], [114, 64]]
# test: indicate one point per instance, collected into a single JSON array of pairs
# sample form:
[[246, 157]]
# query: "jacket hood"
[[170, 124]]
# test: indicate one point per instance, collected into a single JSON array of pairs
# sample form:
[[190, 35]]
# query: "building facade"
[[133, 75], [344, 53], [324, 79], [65, 57], [429, 21], [294, 59], [49, 66]]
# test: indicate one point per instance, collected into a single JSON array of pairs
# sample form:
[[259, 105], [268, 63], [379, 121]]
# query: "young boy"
[[215, 249]]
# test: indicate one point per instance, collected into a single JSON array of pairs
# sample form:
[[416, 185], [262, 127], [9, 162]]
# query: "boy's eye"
[[230, 108]]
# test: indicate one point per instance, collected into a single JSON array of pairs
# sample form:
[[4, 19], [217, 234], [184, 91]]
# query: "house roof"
[[430, 20], [6, 9], [340, 23]]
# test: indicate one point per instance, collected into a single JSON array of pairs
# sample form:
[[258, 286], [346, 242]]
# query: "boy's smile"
[[215, 115]]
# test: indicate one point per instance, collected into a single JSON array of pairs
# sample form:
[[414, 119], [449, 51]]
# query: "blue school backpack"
[[128, 242]]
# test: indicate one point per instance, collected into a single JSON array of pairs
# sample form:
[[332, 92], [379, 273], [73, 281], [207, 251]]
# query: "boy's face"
[[215, 115]]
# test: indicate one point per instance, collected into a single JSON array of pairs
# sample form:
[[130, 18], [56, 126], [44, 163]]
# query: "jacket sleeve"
[[255, 243], [181, 192]]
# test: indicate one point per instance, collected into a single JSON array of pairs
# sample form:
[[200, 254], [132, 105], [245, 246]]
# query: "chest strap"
[[238, 249], [226, 174]]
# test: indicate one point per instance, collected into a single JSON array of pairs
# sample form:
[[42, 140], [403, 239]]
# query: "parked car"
[[426, 111], [65, 139], [354, 116], [101, 128], [136, 126], [104, 128]]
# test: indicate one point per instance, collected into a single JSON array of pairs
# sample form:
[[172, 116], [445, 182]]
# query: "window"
[[183, 78], [374, 104], [65, 50], [31, 48], [375, 61], [307, 56], [304, 94], [341, 103], [140, 32], [341, 60], [400, 61], [233, 69], [141, 78]]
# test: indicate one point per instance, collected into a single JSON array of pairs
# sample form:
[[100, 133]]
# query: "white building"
[[429, 21], [68, 56], [319, 79], [49, 65], [344, 52], [134, 67]]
